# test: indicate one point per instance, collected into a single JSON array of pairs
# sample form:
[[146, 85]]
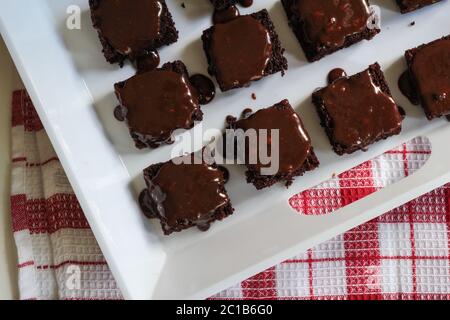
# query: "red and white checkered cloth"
[[404, 254]]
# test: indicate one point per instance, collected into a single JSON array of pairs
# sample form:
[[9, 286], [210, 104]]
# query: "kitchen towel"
[[403, 254]]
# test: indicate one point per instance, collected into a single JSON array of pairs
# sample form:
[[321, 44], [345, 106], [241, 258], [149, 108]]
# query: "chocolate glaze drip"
[[407, 88], [172, 189], [246, 3], [230, 119], [335, 74], [294, 143], [205, 88], [226, 173], [146, 204], [247, 113], [147, 62], [402, 112], [330, 22], [158, 102], [361, 112], [128, 26], [252, 49], [225, 15], [431, 74], [119, 113]]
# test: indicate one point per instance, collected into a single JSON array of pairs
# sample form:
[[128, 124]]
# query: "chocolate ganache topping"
[[431, 74], [359, 110], [241, 49], [294, 141], [129, 26], [172, 190], [329, 22], [158, 102]]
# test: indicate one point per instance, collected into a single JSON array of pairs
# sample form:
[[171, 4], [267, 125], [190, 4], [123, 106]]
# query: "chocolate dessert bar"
[[130, 29], [183, 194], [326, 26], [358, 111], [296, 154], [243, 50], [158, 102], [429, 77]]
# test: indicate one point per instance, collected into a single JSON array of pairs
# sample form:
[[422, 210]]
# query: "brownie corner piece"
[[295, 152], [185, 194], [144, 26], [318, 37], [408, 6], [428, 71], [358, 111], [243, 50], [143, 100]]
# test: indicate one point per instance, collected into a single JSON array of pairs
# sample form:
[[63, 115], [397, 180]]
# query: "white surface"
[[71, 86], [8, 254]]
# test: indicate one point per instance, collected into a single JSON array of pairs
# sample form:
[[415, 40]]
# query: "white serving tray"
[[72, 88]]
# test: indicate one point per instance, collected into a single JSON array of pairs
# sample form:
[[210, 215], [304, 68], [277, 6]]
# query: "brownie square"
[[411, 5], [322, 27], [358, 111], [222, 4], [295, 152], [429, 74], [158, 102], [243, 50], [129, 29], [185, 192]]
